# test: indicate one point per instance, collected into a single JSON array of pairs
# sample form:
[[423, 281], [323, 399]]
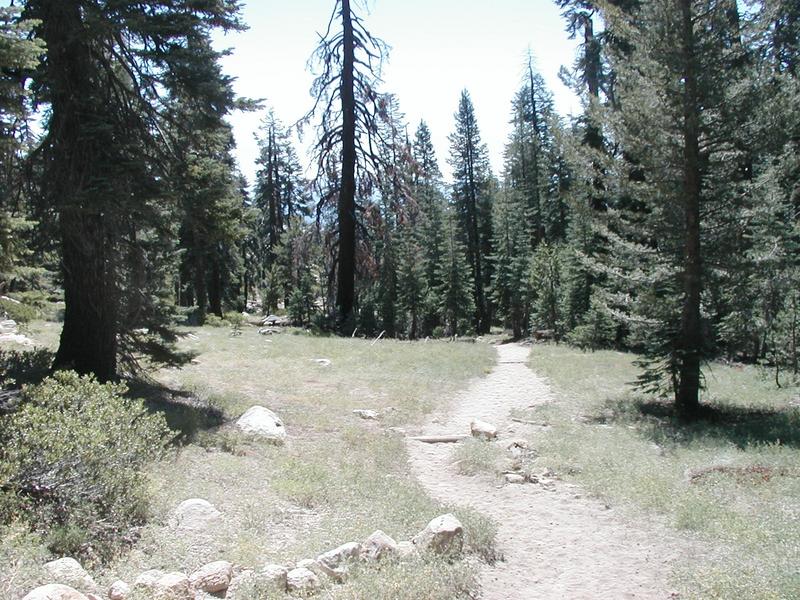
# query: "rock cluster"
[[443, 535]]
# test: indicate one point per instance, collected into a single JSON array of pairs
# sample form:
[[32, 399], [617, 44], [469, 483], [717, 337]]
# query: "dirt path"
[[557, 544]]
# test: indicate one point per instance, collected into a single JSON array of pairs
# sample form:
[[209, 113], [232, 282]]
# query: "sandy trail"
[[556, 543]]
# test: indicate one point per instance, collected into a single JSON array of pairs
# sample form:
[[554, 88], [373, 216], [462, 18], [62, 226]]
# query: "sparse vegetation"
[[731, 478]]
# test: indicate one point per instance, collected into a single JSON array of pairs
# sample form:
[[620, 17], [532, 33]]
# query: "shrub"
[[215, 321], [20, 367], [71, 463], [21, 313]]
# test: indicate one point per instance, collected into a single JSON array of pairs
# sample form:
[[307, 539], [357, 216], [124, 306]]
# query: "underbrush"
[[732, 478]]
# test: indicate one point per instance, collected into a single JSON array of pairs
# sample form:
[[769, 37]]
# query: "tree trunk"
[[690, 339], [73, 173], [215, 288], [345, 272]]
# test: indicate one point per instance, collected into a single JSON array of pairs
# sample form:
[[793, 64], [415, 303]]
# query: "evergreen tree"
[[108, 67], [455, 290], [472, 202]]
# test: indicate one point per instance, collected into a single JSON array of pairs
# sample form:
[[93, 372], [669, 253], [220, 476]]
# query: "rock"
[[240, 585], [8, 326], [308, 563], [148, 579], [514, 478], [302, 580], [406, 549], [173, 586], [213, 577], [443, 535], [264, 423], [55, 591], [483, 430], [519, 444], [366, 414], [322, 362], [69, 572], [119, 590], [195, 514], [378, 546], [335, 563], [275, 574]]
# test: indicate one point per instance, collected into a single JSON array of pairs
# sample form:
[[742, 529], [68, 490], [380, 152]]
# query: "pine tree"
[[472, 202], [109, 67], [455, 291]]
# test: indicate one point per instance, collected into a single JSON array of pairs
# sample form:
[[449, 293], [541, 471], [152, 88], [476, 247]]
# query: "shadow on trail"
[[182, 410], [741, 426]]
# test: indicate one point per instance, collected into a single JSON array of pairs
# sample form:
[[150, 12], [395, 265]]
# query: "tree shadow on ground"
[[183, 411], [742, 426]]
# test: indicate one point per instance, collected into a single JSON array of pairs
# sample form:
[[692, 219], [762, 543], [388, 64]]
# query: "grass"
[[732, 480], [337, 479]]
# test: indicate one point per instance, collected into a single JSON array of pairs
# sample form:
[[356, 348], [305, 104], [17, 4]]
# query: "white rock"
[[322, 362], [378, 546], [483, 430], [69, 572], [367, 414], [148, 579], [308, 563], [195, 514], [213, 577], [444, 535], [406, 549], [335, 563], [275, 574], [302, 580], [173, 586], [119, 590], [55, 591], [264, 423], [514, 478]]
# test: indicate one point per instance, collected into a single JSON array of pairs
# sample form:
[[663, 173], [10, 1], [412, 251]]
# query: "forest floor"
[[555, 542]]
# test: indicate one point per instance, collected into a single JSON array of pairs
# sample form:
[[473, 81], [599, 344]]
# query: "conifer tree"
[[472, 202], [455, 290]]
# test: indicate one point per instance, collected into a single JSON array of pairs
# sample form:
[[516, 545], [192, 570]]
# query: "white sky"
[[437, 48]]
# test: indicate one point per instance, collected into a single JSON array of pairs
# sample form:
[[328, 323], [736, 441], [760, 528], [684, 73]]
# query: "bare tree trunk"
[[690, 339], [345, 272]]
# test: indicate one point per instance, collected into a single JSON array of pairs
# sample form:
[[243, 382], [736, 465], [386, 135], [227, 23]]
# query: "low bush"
[[21, 313], [71, 463], [20, 367]]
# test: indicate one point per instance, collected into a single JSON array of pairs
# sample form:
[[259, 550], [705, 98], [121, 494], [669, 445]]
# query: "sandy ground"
[[556, 543]]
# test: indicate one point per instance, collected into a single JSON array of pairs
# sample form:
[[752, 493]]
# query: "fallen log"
[[526, 422], [439, 439]]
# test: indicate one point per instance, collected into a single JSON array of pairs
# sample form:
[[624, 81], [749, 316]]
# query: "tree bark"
[[73, 172], [690, 338], [346, 209]]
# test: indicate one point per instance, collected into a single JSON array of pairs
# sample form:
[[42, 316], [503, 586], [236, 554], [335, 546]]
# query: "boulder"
[[68, 571], [195, 514], [173, 586], [308, 563], [55, 591], [367, 414], [514, 478], [378, 546], [483, 430], [302, 580], [213, 577], [264, 423], [119, 590], [443, 535], [335, 563]]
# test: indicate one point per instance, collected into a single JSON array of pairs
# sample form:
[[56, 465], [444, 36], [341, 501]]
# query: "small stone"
[[335, 563], [514, 478], [275, 574], [264, 423], [213, 577], [378, 546], [366, 414], [308, 563], [195, 514], [68, 571], [119, 590], [148, 579], [443, 535], [173, 586], [483, 430], [406, 549], [302, 580], [55, 591], [322, 362], [518, 444]]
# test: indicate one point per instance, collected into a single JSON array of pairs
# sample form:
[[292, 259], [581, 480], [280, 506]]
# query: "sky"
[[437, 49]]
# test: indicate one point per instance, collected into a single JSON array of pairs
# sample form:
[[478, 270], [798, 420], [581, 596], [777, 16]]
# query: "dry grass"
[[631, 450]]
